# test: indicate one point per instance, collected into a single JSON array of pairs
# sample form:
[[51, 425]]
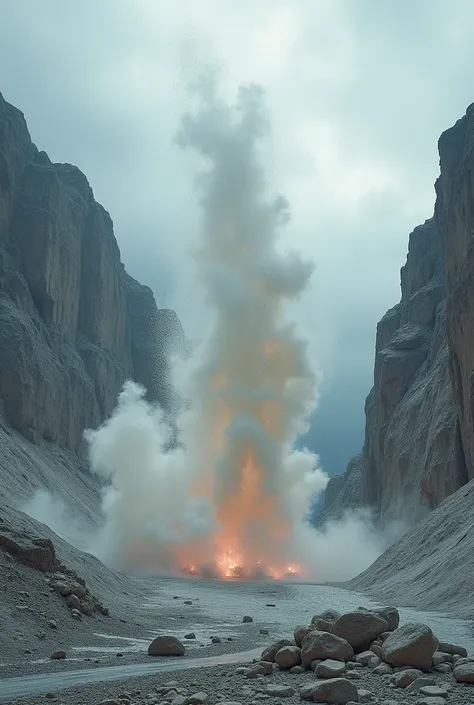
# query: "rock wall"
[[73, 324], [419, 440]]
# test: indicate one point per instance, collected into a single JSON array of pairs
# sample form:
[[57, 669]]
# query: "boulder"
[[57, 655], [166, 646], [405, 678], [447, 648], [330, 669], [300, 633], [246, 619], [359, 629], [464, 673], [323, 645], [321, 624], [271, 651], [413, 644], [339, 691], [288, 657]]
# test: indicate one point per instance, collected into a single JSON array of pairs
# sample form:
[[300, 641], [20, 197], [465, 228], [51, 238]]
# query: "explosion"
[[230, 501]]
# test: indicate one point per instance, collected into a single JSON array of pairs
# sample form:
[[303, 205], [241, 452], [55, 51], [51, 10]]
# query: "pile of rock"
[[77, 596], [336, 646]]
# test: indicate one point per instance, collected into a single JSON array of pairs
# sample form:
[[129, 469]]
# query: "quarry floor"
[[117, 646]]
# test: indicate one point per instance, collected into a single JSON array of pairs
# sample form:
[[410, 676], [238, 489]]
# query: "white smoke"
[[235, 494]]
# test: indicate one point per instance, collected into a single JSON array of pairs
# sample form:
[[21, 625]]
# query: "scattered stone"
[[297, 670], [270, 604], [353, 675], [434, 690], [247, 619], [384, 669], [264, 632], [321, 625], [300, 633], [166, 646], [364, 657], [188, 602], [271, 651], [76, 614], [365, 696], [198, 699], [191, 635], [443, 668], [119, 655], [406, 677], [73, 602], [330, 669], [412, 644], [288, 656], [52, 624], [359, 629], [279, 691], [339, 691], [267, 667], [216, 640], [324, 645], [427, 700], [51, 696], [464, 672], [390, 614], [58, 655], [416, 685], [452, 649]]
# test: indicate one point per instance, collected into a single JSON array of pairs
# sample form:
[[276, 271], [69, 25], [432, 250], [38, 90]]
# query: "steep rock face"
[[73, 324], [412, 456], [419, 445], [455, 216]]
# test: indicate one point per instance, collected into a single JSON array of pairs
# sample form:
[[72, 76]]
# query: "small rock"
[[188, 602], [280, 691], [434, 690], [271, 651], [247, 619], [464, 673], [384, 669], [335, 690], [330, 669], [76, 614], [427, 700], [264, 632], [359, 629], [166, 646], [406, 677], [119, 655], [216, 640], [73, 602], [198, 699], [443, 668], [365, 696], [452, 649], [297, 670], [52, 696], [58, 655], [191, 635], [353, 675], [416, 685]]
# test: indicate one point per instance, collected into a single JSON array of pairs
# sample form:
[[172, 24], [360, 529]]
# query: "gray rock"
[[58, 655], [300, 633], [419, 683], [247, 619], [288, 656], [335, 690], [464, 672], [359, 629], [166, 646], [279, 691], [330, 669], [405, 678], [412, 644], [323, 645], [271, 651], [452, 649]]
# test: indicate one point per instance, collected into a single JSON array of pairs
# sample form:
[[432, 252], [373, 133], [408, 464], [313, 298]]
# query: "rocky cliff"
[[73, 324], [419, 439]]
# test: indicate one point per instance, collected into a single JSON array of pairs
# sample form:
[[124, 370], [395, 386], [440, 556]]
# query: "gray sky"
[[358, 92]]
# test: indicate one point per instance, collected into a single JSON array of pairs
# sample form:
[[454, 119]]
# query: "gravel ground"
[[224, 683]]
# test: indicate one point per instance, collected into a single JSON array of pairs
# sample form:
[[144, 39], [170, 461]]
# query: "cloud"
[[358, 94]]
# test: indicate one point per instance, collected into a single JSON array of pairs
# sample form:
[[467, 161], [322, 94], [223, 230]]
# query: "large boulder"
[[390, 614], [330, 669], [300, 633], [413, 645], [359, 628], [166, 646], [271, 651], [323, 645], [464, 673]]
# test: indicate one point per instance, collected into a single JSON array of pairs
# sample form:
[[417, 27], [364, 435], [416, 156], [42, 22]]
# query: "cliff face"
[[73, 324], [419, 441]]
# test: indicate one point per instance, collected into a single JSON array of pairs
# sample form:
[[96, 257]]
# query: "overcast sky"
[[358, 92]]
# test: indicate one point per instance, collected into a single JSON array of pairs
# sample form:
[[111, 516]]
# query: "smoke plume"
[[231, 499]]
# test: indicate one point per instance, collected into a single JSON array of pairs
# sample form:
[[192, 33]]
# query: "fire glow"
[[231, 501]]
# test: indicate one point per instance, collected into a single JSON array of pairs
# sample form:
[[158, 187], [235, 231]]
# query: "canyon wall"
[[419, 437], [73, 324]]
